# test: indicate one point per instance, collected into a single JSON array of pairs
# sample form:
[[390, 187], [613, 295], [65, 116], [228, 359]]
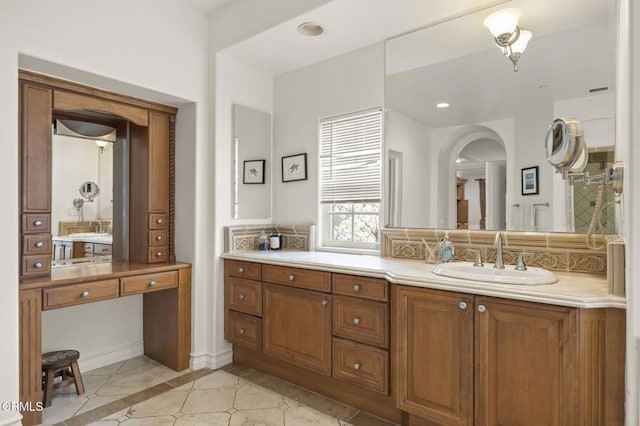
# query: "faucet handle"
[[478, 253], [520, 266]]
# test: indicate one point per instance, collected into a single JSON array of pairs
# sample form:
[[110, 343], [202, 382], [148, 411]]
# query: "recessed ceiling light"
[[310, 29], [442, 105]]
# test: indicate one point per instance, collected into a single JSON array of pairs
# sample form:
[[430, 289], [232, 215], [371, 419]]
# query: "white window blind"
[[350, 158]]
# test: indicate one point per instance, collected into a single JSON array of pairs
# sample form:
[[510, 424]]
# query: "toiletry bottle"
[[274, 241], [263, 241], [445, 249]]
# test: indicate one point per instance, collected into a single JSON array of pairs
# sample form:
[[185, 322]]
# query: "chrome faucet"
[[99, 225], [498, 243]]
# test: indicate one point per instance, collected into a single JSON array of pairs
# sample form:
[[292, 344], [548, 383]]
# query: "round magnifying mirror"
[[565, 145], [89, 190]]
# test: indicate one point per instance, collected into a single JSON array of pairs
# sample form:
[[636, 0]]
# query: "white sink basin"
[[487, 273], [89, 234]]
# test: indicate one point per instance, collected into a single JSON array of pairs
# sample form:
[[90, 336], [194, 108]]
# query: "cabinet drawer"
[[157, 221], [295, 277], [148, 282], [157, 238], [36, 223], [243, 295], [36, 244], [37, 264], [157, 254], [240, 269], [367, 288], [87, 248], [76, 294], [101, 249], [245, 330], [362, 365], [362, 320]]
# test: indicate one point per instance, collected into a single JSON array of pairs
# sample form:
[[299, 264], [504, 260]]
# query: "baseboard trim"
[[212, 361], [93, 360]]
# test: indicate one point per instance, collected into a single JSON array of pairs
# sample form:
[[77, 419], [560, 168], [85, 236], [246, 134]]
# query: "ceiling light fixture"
[[509, 37], [442, 105], [310, 29]]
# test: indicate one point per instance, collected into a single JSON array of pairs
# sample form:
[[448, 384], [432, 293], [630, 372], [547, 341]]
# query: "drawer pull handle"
[[356, 366], [356, 320], [325, 302], [159, 221], [462, 305], [152, 283], [242, 331], [38, 265], [37, 223], [241, 270], [159, 238], [85, 294], [159, 254], [482, 308], [292, 277], [242, 296], [356, 287], [39, 244]]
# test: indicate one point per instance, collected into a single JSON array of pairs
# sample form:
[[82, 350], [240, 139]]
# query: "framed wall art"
[[294, 167], [530, 180], [253, 172]]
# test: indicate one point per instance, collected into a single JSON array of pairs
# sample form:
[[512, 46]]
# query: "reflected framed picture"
[[530, 180], [294, 167], [253, 172]]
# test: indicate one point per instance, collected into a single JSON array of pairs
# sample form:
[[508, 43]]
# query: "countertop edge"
[[505, 291]]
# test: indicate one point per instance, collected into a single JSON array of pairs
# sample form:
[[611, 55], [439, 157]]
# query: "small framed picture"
[[530, 180], [253, 172], [294, 167]]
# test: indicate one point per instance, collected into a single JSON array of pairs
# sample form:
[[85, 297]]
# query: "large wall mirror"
[[251, 163], [465, 133]]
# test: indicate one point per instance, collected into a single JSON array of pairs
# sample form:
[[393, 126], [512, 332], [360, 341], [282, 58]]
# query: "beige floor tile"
[[104, 371], [62, 407], [95, 402], [164, 404], [126, 384], [254, 397], [266, 417], [209, 419], [209, 401], [331, 407], [218, 379], [150, 421], [303, 416], [105, 423]]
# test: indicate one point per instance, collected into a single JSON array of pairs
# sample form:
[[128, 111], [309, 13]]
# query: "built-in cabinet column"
[[35, 152], [30, 329]]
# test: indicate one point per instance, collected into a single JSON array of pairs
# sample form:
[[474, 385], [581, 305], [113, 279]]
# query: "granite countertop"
[[572, 289], [97, 238]]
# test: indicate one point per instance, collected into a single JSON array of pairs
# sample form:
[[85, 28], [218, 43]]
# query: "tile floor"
[[142, 392]]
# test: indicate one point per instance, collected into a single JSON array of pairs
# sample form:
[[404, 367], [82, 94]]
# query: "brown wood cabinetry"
[[534, 363]]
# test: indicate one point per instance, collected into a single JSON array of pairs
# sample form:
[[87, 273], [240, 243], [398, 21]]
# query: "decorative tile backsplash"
[[294, 237], [553, 251]]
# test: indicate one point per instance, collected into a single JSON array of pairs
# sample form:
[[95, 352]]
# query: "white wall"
[[143, 47], [411, 138], [343, 84]]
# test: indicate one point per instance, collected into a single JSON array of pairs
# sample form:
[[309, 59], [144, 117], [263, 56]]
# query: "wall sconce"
[[509, 37]]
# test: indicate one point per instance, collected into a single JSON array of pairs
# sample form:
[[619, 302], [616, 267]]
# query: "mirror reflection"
[[82, 199], [464, 127], [251, 163]]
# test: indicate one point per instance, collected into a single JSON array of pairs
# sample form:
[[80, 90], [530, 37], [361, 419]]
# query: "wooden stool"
[[60, 364]]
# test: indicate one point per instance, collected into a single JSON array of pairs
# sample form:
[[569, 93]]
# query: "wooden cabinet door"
[[526, 363], [158, 162], [297, 326], [434, 362]]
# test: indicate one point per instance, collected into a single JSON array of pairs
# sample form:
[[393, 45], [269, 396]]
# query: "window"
[[351, 179]]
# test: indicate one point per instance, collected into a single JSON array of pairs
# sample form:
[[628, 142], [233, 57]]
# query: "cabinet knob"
[[292, 277], [462, 305], [482, 308], [241, 270], [242, 296], [37, 223], [38, 265], [85, 294], [159, 238], [356, 366], [39, 244], [325, 302], [356, 320], [159, 254], [152, 283], [356, 287], [242, 331], [159, 221]]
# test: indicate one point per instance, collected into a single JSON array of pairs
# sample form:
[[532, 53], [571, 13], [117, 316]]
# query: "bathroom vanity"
[[389, 337]]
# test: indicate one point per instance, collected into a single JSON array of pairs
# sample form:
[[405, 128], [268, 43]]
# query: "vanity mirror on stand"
[[460, 118]]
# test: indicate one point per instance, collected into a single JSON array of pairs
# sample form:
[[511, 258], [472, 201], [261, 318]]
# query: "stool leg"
[[77, 377], [48, 388]]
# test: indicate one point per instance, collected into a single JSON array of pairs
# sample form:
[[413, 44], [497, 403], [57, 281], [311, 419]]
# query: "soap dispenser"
[[445, 249], [263, 241]]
